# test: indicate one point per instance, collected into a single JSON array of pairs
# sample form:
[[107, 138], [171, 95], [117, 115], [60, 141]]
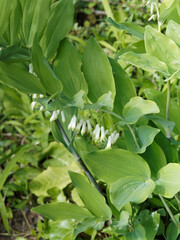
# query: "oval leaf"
[[130, 189], [62, 211], [97, 71], [136, 108], [117, 163], [90, 196], [168, 183], [67, 67]]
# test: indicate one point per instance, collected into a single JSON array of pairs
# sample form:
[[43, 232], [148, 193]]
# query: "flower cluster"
[[98, 134]]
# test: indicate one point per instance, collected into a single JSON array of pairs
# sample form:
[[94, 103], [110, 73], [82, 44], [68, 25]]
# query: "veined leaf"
[[155, 158], [5, 10], [173, 31], [16, 77], [146, 62], [167, 11], [35, 17], [136, 108], [59, 24], [67, 67], [62, 211], [124, 87], [42, 68], [168, 183], [130, 189], [129, 27], [117, 163], [138, 233], [160, 99], [97, 71], [165, 49], [90, 196]]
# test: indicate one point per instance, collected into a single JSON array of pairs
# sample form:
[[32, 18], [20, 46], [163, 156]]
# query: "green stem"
[[177, 199], [169, 212], [134, 136], [159, 24], [168, 132], [77, 156]]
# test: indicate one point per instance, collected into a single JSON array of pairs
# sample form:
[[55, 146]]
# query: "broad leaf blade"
[[59, 24], [136, 108], [117, 163], [97, 71], [129, 27], [42, 68], [16, 77], [173, 31], [155, 158], [124, 87], [165, 49], [62, 211], [168, 183], [146, 62], [35, 17], [168, 11], [130, 189], [67, 67], [90, 196]]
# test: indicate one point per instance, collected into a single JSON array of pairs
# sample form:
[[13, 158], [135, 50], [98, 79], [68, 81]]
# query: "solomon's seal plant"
[[125, 143]]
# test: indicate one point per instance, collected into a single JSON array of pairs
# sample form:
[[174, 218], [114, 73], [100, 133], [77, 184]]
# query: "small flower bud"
[[33, 105], [41, 95], [89, 125], [72, 124], [79, 125], [30, 68], [63, 117], [34, 96], [83, 130], [108, 146], [54, 115], [97, 132], [41, 108]]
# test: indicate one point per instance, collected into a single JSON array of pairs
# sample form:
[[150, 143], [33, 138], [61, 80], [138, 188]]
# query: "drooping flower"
[[79, 125], [72, 124], [54, 115], [83, 130], [63, 116], [108, 146], [33, 105], [89, 126]]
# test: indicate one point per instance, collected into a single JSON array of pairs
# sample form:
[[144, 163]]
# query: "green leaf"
[[4, 214], [130, 189], [14, 26], [5, 10], [43, 182], [168, 183], [150, 222], [129, 27], [168, 148], [84, 225], [35, 17], [62, 211], [174, 110], [117, 163], [43, 70], [16, 77], [58, 25], [14, 54], [165, 49], [155, 158], [105, 101], [146, 136], [172, 231], [168, 11], [138, 233], [173, 31], [146, 62], [97, 71], [90, 196], [4, 175], [136, 108], [125, 89], [67, 67]]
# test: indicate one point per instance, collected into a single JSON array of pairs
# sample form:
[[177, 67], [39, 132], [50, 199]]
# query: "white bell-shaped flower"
[[72, 124], [63, 116], [108, 146], [54, 115], [83, 130], [89, 125], [79, 125]]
